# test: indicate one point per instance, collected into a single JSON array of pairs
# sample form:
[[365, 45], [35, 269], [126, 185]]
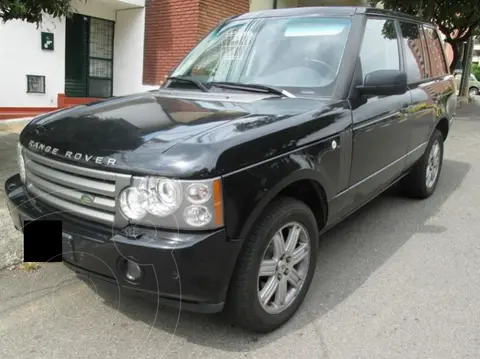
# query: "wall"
[[173, 28], [211, 12], [258, 5], [287, 3], [128, 52], [170, 32], [25, 56], [95, 8]]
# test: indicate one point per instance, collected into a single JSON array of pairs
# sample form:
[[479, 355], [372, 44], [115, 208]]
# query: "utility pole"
[[467, 67]]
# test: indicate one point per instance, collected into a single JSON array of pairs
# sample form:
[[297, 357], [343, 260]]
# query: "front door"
[[380, 123], [88, 57]]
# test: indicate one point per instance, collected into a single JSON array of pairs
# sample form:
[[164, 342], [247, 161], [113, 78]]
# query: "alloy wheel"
[[283, 268], [433, 165]]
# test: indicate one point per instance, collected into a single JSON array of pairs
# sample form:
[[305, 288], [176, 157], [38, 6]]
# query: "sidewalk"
[[11, 241], [470, 110], [14, 126]]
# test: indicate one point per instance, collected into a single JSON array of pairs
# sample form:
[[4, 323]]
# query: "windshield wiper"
[[197, 83], [252, 87]]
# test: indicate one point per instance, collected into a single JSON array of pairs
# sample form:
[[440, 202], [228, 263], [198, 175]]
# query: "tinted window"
[[379, 47], [414, 61], [428, 69], [435, 50]]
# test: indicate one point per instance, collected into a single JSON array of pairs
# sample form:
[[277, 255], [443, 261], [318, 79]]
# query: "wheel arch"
[[443, 126], [304, 185]]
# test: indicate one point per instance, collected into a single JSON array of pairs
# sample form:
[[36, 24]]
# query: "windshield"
[[301, 54]]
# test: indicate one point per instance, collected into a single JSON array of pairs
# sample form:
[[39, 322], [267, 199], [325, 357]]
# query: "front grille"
[[73, 190]]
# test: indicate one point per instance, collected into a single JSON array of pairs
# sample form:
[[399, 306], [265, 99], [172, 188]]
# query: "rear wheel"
[[275, 268], [423, 178], [473, 91]]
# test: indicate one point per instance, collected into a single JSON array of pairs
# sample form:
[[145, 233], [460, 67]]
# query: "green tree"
[[457, 20], [33, 10], [476, 70]]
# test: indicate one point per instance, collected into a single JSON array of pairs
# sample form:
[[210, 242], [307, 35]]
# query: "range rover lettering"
[[274, 128]]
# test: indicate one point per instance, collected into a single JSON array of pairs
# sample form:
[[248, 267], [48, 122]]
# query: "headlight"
[[165, 195], [198, 193], [173, 204], [21, 162], [197, 216], [133, 203]]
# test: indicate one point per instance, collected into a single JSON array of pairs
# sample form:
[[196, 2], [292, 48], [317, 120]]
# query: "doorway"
[[88, 57]]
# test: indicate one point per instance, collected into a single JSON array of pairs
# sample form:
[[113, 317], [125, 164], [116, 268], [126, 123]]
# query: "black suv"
[[211, 192]]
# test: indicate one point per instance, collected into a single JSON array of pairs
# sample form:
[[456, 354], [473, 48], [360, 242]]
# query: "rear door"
[[428, 80], [380, 123]]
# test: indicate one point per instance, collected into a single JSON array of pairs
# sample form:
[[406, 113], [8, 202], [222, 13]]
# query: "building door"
[[88, 57]]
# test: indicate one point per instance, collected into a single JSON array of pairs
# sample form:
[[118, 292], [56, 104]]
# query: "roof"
[[301, 11], [344, 11], [400, 15]]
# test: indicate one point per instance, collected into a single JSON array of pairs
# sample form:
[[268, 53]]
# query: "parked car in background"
[[212, 191], [473, 83]]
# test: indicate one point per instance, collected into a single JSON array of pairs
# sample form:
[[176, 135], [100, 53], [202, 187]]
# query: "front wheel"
[[275, 268], [473, 91], [423, 178]]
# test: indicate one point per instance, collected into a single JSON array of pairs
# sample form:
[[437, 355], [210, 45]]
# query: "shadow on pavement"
[[348, 256]]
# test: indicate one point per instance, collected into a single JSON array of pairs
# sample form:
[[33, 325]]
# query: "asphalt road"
[[399, 279]]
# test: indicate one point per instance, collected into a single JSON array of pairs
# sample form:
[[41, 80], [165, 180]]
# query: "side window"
[[415, 64], [379, 49], [426, 55], [435, 51]]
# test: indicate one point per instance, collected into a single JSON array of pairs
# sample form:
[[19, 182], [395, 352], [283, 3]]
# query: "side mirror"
[[384, 83]]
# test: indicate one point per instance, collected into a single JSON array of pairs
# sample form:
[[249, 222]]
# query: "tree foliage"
[[476, 70], [33, 10], [457, 20]]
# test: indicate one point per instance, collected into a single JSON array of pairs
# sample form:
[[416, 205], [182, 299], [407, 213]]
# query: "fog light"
[[133, 271]]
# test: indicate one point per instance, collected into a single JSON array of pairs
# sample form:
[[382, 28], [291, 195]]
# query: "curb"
[[14, 125], [15, 121]]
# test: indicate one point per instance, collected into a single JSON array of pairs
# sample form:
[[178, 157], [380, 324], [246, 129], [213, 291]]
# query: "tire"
[[416, 184], [243, 305], [473, 91]]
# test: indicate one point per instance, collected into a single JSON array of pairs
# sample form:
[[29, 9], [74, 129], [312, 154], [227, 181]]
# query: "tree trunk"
[[467, 66], [457, 47]]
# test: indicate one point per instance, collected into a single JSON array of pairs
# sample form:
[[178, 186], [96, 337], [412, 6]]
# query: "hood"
[[133, 134]]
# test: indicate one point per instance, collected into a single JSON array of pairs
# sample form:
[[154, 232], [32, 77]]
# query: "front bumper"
[[187, 270]]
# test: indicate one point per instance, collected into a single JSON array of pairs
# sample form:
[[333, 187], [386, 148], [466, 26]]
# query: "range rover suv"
[[212, 191]]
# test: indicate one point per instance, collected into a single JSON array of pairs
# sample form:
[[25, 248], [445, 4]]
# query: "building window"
[[35, 84], [89, 57]]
